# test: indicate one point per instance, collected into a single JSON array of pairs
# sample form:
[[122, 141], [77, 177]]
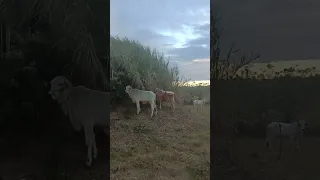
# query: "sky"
[[278, 30], [178, 28]]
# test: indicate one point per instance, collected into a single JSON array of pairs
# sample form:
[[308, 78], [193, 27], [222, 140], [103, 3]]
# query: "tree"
[[223, 69]]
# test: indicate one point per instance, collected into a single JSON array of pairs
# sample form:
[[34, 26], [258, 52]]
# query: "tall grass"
[[139, 66]]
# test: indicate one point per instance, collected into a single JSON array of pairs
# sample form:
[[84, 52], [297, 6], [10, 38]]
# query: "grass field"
[[168, 146], [251, 160]]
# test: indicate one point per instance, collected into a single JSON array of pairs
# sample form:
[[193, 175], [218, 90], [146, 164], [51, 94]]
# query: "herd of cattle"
[[87, 108], [150, 97]]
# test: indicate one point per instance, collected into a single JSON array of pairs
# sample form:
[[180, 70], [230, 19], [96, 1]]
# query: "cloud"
[[179, 29], [201, 60], [277, 29], [191, 52], [199, 70]]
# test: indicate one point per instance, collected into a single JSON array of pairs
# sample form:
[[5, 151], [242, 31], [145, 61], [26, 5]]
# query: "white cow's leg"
[[173, 104], [297, 144], [272, 141], [152, 108], [89, 135], [155, 108], [269, 143], [95, 150], [294, 143], [160, 104], [138, 106]]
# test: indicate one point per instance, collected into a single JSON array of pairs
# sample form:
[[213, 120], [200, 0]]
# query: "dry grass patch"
[[169, 146]]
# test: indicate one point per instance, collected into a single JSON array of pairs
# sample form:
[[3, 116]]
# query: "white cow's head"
[[128, 89], [302, 124], [60, 88]]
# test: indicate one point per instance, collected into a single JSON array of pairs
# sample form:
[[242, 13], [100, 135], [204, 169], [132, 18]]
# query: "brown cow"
[[167, 96]]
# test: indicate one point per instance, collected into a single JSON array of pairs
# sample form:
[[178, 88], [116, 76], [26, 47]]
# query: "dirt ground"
[[256, 162], [168, 146]]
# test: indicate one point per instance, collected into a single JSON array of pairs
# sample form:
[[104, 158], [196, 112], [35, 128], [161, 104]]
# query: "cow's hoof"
[[88, 164]]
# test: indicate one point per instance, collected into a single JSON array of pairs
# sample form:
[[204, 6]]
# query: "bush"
[[139, 66]]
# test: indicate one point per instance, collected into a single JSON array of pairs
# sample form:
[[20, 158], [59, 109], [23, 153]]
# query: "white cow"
[[199, 103], [137, 96], [85, 108], [293, 130]]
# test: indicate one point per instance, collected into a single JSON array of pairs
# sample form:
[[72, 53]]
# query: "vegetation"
[[170, 145], [139, 66], [63, 37], [58, 35], [246, 100], [189, 93]]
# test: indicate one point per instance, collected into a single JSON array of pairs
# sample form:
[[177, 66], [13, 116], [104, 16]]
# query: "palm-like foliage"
[[63, 26]]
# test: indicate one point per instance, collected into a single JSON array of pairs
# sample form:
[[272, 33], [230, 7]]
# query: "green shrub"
[[139, 66]]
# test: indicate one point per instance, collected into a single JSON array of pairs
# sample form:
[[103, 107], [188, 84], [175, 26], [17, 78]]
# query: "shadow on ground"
[[51, 155]]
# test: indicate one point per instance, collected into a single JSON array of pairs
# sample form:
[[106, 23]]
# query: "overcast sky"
[[179, 28], [279, 30]]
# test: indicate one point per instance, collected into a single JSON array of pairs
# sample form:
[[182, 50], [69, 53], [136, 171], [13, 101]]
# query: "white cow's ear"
[[65, 83]]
